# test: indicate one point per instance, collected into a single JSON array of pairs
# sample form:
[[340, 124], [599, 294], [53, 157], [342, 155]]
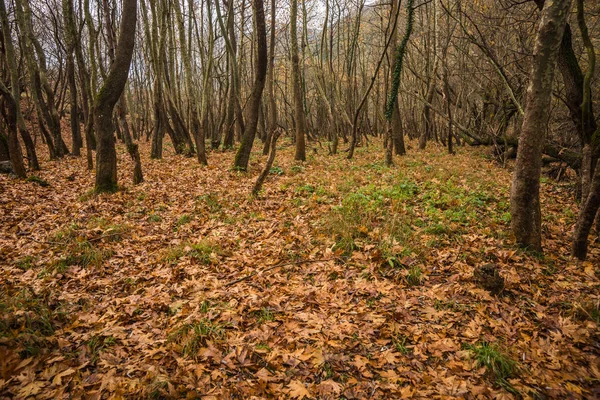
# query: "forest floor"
[[363, 282]]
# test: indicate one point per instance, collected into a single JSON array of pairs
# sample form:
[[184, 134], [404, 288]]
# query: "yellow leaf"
[[298, 390]]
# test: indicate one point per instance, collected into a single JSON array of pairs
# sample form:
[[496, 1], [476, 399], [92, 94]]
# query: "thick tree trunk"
[[397, 133], [14, 149], [106, 156], [525, 197]]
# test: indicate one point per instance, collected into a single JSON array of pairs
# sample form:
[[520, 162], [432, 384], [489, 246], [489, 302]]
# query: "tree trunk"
[[271, 106], [70, 33], [243, 155], [263, 175], [109, 94], [591, 197], [396, 126], [9, 53], [525, 196], [299, 118]]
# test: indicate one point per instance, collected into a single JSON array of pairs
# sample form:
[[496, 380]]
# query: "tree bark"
[[106, 156], [70, 33], [263, 175], [396, 125], [590, 198], [271, 106], [299, 117], [9, 53], [525, 196], [243, 155]]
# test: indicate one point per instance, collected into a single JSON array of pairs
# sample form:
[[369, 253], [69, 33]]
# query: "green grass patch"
[[203, 252], [26, 263], [76, 249], [210, 202], [184, 219], [37, 180], [264, 315], [276, 171], [497, 363], [97, 344], [191, 337], [400, 343], [414, 277], [27, 318]]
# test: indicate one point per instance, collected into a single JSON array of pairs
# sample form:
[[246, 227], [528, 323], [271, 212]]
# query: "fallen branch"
[[272, 267]]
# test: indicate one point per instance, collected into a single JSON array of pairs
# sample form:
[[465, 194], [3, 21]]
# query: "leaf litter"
[[342, 279]]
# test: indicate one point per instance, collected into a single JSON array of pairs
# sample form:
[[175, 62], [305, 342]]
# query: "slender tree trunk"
[[38, 76], [297, 85], [10, 59], [70, 33], [591, 199], [271, 105], [396, 76], [243, 155], [265, 172], [525, 196]]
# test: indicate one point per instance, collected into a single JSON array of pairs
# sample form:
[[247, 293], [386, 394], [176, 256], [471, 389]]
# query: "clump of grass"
[[399, 342], [110, 231], [66, 234], [211, 201], [78, 250], [154, 218], [26, 318], [297, 169], [195, 335], [83, 254], [262, 348], [205, 306], [414, 276], [37, 180], [173, 254], [276, 171], [497, 363], [306, 189], [203, 251], [438, 229], [97, 344], [25, 263], [353, 219], [184, 219], [264, 315]]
